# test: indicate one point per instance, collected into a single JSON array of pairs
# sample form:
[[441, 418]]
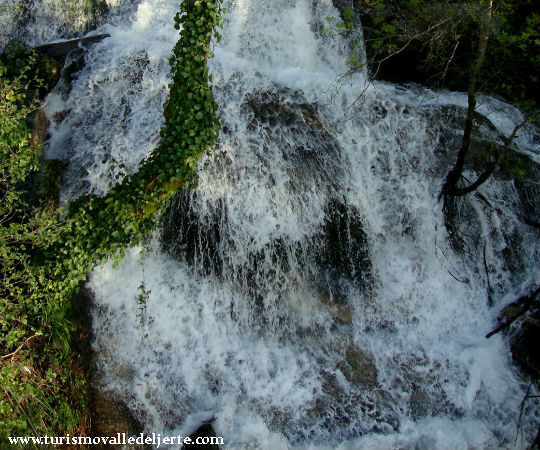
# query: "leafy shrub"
[[44, 261]]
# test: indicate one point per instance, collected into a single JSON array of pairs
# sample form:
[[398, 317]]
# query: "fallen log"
[[525, 303], [62, 48]]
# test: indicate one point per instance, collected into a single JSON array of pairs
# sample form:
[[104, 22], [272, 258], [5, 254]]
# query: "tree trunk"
[[453, 177]]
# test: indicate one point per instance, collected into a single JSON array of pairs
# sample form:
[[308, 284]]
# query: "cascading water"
[[47, 20], [307, 292]]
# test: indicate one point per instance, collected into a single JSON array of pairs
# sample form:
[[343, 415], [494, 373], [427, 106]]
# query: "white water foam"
[[43, 21], [257, 344]]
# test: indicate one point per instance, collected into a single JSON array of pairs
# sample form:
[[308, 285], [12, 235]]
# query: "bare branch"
[[527, 301]]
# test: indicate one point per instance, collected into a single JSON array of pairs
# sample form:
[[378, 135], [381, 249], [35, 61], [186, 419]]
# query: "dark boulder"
[[524, 336], [107, 414], [341, 252], [202, 438], [111, 417], [188, 236]]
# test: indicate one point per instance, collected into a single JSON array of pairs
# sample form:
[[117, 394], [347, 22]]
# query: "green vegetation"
[[44, 260], [489, 46], [440, 41], [40, 388]]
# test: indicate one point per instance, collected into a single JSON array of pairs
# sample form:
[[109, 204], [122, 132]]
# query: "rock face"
[[48, 62], [487, 144], [343, 252], [38, 124], [108, 416], [358, 367], [309, 154], [62, 18], [524, 345], [42, 188], [517, 176], [524, 336]]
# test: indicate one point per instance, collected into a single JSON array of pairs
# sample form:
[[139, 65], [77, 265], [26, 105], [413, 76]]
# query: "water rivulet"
[[309, 292]]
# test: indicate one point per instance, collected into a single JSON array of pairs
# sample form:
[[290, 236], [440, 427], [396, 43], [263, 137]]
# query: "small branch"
[[445, 71], [518, 127], [490, 299], [464, 281], [521, 410], [460, 192], [9, 355]]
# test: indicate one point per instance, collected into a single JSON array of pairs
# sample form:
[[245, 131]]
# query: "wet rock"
[[529, 199], [204, 433], [16, 49], [524, 345], [48, 69], [69, 17], [524, 336], [59, 116], [48, 62], [278, 108], [110, 418], [310, 155], [420, 404], [73, 63], [352, 411], [358, 367], [310, 151], [108, 415], [341, 313], [38, 124], [69, 55], [446, 122], [18, 56], [187, 236], [342, 253], [487, 145], [517, 176]]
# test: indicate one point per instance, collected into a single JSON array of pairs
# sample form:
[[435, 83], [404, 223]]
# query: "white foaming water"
[[261, 320], [42, 21]]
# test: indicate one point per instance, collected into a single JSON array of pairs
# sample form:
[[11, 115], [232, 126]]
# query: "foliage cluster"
[[436, 42], [40, 390], [489, 46], [104, 225], [44, 261]]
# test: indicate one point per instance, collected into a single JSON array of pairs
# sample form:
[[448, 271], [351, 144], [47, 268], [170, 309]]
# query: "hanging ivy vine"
[[44, 260], [104, 226]]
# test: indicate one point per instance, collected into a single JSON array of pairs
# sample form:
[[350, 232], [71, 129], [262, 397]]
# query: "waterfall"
[[307, 293], [43, 21]]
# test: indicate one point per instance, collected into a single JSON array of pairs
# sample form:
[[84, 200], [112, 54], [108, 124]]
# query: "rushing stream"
[[307, 293]]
